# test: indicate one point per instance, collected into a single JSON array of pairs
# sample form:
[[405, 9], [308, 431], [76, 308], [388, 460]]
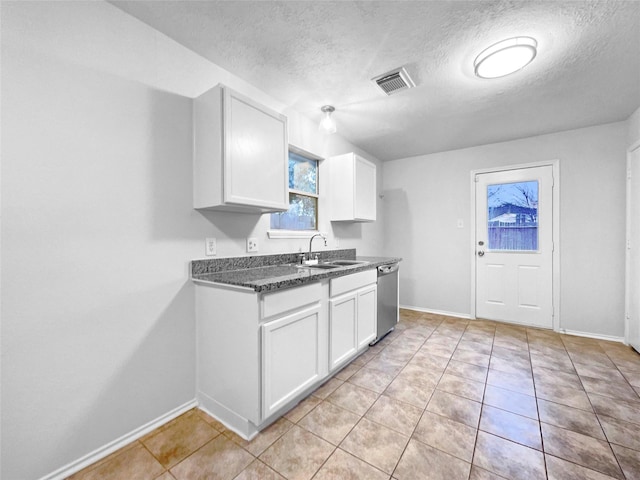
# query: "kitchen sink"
[[330, 264], [321, 266], [344, 263]]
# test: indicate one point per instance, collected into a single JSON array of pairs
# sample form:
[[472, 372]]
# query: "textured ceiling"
[[310, 53]]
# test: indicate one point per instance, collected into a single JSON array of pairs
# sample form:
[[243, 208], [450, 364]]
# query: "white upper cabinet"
[[353, 188], [240, 154]]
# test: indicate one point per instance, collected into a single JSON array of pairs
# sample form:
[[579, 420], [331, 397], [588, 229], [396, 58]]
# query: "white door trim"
[[555, 164], [627, 253]]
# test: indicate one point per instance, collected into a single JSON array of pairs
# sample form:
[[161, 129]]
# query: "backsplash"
[[212, 265]]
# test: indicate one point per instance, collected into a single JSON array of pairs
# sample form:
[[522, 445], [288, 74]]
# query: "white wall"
[[425, 195], [97, 227]]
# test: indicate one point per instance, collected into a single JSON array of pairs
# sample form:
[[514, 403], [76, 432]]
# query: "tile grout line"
[[535, 398], [423, 410], [598, 416], [475, 442], [444, 325], [407, 363], [361, 416], [573, 431], [168, 469], [428, 401], [354, 426], [425, 407], [535, 394], [155, 458], [595, 411]]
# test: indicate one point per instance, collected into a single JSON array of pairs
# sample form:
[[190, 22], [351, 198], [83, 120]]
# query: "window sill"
[[293, 233]]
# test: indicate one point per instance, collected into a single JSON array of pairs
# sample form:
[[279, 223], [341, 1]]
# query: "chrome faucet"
[[311, 241]]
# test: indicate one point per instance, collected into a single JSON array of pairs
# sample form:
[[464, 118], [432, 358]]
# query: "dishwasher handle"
[[387, 269]]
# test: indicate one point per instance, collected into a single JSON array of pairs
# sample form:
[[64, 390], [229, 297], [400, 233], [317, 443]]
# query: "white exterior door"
[[514, 246], [633, 250]]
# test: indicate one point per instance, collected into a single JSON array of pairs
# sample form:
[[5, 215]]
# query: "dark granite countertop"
[[273, 272]]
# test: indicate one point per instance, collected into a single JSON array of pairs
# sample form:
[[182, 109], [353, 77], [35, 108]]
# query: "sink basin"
[[331, 264], [321, 266], [344, 263]]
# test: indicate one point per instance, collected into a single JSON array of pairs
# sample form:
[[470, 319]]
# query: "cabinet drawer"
[[289, 299], [340, 285]]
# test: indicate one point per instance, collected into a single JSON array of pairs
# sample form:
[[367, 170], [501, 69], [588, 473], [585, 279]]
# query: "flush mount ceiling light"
[[505, 57], [328, 124]]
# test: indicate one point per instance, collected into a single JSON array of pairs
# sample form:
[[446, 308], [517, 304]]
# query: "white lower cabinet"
[[352, 316], [290, 357], [259, 354], [343, 328], [367, 315]]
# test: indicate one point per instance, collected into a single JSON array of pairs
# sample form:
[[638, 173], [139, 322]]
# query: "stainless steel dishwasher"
[[387, 299]]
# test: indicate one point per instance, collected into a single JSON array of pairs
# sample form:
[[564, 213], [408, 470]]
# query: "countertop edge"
[[266, 286]]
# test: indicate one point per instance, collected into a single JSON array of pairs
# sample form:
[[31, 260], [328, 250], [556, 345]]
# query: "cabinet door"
[[256, 156], [367, 313], [342, 329], [365, 189], [290, 357]]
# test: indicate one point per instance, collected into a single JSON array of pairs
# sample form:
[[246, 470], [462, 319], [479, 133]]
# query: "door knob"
[[481, 253]]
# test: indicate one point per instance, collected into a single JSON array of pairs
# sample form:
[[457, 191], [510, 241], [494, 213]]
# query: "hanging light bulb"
[[328, 124]]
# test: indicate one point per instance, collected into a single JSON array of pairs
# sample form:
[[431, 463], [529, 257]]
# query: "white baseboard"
[[437, 312], [230, 419], [109, 448], [595, 336]]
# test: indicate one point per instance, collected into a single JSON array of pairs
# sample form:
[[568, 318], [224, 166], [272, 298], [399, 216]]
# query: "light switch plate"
[[210, 246], [460, 223], [252, 245]]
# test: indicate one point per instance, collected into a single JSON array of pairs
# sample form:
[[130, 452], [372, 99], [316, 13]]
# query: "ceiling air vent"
[[394, 81]]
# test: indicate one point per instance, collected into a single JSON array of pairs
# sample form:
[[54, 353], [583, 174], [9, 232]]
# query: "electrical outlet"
[[252, 244], [210, 246]]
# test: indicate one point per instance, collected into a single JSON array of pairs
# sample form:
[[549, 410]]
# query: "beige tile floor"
[[439, 398]]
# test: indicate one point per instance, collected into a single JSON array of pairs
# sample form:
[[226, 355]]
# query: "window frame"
[[288, 233]]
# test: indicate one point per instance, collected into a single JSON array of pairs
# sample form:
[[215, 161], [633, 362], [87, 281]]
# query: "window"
[[303, 195], [513, 216]]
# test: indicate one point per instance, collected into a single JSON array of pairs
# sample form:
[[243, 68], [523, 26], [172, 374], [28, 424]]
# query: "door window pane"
[[512, 220]]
